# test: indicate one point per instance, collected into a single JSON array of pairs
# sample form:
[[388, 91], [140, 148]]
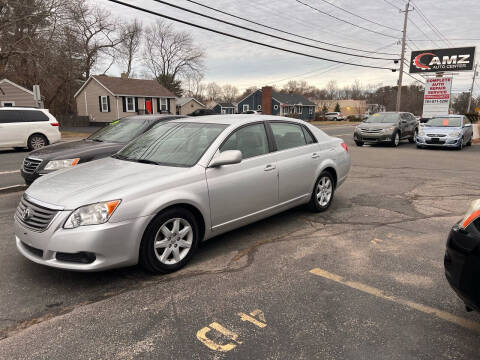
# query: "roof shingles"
[[133, 87]]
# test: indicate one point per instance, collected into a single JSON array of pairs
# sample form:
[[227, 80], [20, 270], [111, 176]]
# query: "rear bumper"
[[54, 137], [462, 266]]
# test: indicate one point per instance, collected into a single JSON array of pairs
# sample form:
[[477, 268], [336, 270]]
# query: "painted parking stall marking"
[[209, 335], [466, 323]]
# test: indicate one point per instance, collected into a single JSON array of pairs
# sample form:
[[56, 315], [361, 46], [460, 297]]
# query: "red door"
[[148, 106]]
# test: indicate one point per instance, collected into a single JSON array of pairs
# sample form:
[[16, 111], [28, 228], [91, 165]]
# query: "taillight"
[[345, 147], [472, 214], [54, 124]]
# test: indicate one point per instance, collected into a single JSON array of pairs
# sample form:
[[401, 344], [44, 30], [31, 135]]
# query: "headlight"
[[455, 134], [61, 164], [421, 132], [472, 214], [93, 214]]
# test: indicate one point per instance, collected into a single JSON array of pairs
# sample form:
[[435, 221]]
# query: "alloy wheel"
[[37, 142], [397, 139], [324, 191], [173, 241]]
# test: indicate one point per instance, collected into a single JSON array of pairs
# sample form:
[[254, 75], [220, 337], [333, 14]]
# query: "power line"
[[423, 32], [345, 21], [283, 31], [395, 6], [242, 38], [477, 39], [414, 78], [432, 26], [359, 16], [267, 34]]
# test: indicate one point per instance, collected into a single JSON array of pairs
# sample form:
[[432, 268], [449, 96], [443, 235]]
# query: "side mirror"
[[467, 125], [227, 158]]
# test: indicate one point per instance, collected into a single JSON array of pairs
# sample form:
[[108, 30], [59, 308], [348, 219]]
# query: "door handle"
[[315, 156], [269, 167]]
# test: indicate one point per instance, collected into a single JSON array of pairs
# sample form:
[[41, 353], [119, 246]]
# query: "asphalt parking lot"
[[363, 280]]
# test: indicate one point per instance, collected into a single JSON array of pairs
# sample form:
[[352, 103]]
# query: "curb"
[[12, 189]]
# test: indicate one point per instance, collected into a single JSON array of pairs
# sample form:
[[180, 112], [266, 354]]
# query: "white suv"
[[334, 116], [27, 127]]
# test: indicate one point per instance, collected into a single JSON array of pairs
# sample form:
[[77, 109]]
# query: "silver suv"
[[387, 127]]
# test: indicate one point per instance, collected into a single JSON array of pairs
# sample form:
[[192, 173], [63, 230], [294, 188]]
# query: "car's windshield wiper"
[[120, 157], [97, 140], [146, 161]]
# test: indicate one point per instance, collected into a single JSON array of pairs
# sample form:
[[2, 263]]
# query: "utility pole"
[[400, 75], [471, 89]]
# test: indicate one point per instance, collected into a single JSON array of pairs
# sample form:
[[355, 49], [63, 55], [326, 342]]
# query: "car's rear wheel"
[[36, 141], [395, 139], [322, 194], [170, 241], [469, 143], [413, 139], [359, 143]]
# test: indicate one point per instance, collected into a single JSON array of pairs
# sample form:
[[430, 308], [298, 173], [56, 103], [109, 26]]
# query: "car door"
[[298, 156], [243, 192], [12, 129]]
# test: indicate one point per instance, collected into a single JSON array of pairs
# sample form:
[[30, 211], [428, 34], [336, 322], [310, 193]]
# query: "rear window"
[[31, 116]]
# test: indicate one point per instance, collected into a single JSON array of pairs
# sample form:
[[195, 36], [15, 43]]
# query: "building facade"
[[224, 108], [105, 98], [186, 106], [12, 94]]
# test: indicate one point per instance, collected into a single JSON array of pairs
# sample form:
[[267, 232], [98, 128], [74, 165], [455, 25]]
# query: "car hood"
[[76, 149], [102, 180], [376, 125], [439, 129]]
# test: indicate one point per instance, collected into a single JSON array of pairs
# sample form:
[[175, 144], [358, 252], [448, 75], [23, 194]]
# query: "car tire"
[[413, 139], [395, 139], [420, 147], [460, 147], [469, 143], [36, 141], [163, 248], [324, 186], [359, 143]]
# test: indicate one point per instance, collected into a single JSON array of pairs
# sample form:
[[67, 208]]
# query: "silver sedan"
[[178, 184]]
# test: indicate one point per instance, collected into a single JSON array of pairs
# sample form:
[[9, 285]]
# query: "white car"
[[336, 116], [27, 127]]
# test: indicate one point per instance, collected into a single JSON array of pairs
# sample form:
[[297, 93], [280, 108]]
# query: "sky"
[[232, 61]]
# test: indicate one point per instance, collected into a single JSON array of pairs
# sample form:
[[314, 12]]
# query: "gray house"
[[283, 104], [224, 108], [12, 94]]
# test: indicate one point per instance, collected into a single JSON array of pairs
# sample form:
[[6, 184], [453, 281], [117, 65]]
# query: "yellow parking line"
[[469, 324]]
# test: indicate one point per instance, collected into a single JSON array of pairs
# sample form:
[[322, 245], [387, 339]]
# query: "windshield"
[[444, 122], [172, 144], [383, 118], [121, 131]]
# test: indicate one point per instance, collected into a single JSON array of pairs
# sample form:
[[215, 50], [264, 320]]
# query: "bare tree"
[[131, 36], [229, 93], [169, 53], [214, 91], [332, 89], [193, 85], [95, 29]]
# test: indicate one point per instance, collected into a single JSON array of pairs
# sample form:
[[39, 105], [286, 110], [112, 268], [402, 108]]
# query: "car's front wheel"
[[322, 195], [395, 139], [359, 143], [170, 241], [413, 139]]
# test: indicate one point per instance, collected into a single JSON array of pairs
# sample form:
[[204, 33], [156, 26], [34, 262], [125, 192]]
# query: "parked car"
[[462, 257], [386, 127], [27, 127], [454, 131], [182, 182], [253, 112], [334, 116], [104, 142], [202, 112]]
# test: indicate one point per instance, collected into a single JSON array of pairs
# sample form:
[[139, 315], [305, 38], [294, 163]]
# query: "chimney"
[[267, 100], [124, 75]]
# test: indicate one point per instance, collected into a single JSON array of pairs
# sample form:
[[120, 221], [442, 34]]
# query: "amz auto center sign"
[[436, 100], [440, 60]]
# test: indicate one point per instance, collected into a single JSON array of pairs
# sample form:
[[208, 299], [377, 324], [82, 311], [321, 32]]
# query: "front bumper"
[[366, 137], [29, 177], [462, 265], [86, 248], [441, 142]]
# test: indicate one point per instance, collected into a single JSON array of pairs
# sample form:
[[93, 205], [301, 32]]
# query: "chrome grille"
[[31, 164], [371, 131], [34, 216], [436, 135]]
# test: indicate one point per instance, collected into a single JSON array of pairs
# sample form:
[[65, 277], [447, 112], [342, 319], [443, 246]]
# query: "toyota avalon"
[[182, 182]]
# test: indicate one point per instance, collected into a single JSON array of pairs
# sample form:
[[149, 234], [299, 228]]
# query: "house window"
[[163, 104], [130, 104], [300, 109], [245, 107], [275, 107], [104, 102], [310, 110], [259, 107], [8, 103]]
